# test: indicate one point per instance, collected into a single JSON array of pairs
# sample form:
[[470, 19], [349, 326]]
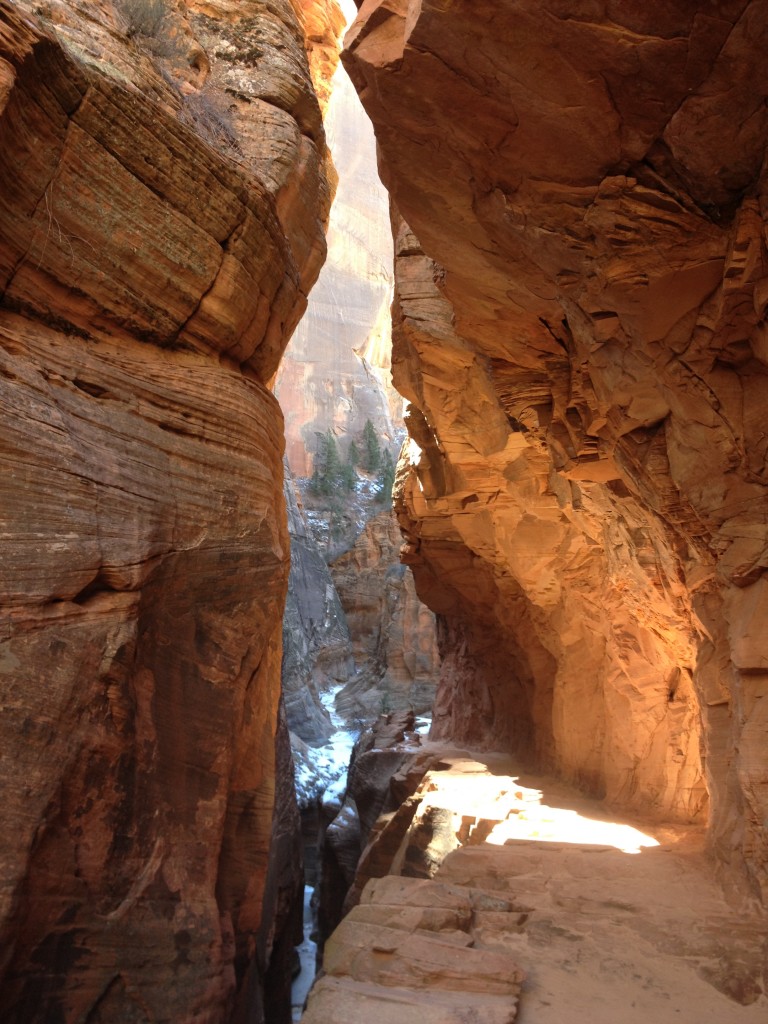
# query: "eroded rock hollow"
[[580, 204]]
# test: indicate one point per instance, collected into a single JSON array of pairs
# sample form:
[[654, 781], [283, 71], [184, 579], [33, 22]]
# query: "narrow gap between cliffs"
[[358, 647]]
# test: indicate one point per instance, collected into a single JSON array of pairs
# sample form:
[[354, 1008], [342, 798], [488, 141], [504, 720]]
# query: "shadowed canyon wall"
[[579, 326], [161, 222], [317, 651], [393, 633]]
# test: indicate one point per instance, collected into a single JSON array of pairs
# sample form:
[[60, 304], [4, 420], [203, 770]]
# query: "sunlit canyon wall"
[[580, 330], [335, 372]]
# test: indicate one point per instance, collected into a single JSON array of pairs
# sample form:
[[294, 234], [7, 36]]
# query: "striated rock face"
[[586, 500], [393, 633], [322, 26], [410, 954], [148, 284]]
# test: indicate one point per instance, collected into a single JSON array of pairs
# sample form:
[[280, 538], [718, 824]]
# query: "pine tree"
[[327, 472], [332, 463], [353, 454], [348, 473], [348, 477], [386, 478], [371, 460], [318, 465]]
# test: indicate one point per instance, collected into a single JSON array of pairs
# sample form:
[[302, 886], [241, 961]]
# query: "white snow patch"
[[307, 958], [318, 768]]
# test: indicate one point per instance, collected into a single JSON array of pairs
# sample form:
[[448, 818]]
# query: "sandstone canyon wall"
[[317, 650], [392, 632], [580, 331], [161, 222]]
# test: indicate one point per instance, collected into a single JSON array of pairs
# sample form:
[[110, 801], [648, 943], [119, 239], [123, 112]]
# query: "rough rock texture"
[[322, 26], [148, 283], [259, 63], [317, 653], [586, 502], [409, 954], [348, 817], [517, 895], [266, 989], [393, 633]]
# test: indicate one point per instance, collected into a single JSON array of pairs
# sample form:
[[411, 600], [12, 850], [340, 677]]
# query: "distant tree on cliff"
[[329, 473], [348, 476], [349, 469], [371, 458], [326, 464], [386, 478]]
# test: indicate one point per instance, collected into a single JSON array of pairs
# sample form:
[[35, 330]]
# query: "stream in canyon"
[[329, 764]]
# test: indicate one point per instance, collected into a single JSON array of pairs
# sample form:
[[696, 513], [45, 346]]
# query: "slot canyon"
[[384, 387]]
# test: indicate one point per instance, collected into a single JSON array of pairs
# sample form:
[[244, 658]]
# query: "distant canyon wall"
[[162, 220], [317, 648], [393, 633], [336, 371], [580, 330]]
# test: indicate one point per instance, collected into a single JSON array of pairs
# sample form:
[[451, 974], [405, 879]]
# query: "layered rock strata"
[[408, 953], [585, 505], [150, 274]]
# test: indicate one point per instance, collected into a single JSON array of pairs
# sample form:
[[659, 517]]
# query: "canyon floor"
[[552, 911]]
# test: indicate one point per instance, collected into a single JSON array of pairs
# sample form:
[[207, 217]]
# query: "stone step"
[[419, 959], [336, 1000]]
